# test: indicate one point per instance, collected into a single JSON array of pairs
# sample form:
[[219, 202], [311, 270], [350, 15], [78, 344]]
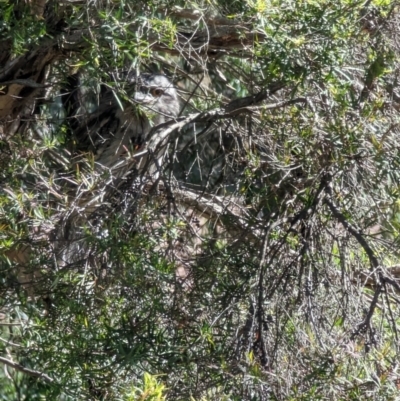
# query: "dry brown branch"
[[390, 275], [20, 93], [222, 210]]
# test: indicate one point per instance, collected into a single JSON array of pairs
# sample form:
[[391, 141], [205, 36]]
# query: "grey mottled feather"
[[113, 129]]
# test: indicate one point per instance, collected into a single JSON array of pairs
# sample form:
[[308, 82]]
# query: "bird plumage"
[[118, 127]]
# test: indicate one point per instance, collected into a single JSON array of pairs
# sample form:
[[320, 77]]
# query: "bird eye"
[[156, 92]]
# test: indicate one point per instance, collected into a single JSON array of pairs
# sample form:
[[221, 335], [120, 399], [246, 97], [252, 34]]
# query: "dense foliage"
[[260, 263]]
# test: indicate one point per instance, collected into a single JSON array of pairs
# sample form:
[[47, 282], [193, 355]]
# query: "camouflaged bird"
[[118, 128]]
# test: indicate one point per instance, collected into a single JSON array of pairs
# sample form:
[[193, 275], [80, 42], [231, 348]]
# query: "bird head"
[[156, 92]]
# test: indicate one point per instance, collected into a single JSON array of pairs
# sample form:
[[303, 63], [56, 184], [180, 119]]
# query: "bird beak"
[[143, 98]]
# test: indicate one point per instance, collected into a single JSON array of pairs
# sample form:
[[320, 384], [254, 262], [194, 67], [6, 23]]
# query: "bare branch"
[[24, 82], [351, 229], [29, 372]]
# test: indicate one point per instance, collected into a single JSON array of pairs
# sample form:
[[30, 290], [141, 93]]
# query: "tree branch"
[[29, 372], [351, 229]]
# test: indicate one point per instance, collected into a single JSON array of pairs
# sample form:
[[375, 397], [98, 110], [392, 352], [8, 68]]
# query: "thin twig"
[[29, 372]]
